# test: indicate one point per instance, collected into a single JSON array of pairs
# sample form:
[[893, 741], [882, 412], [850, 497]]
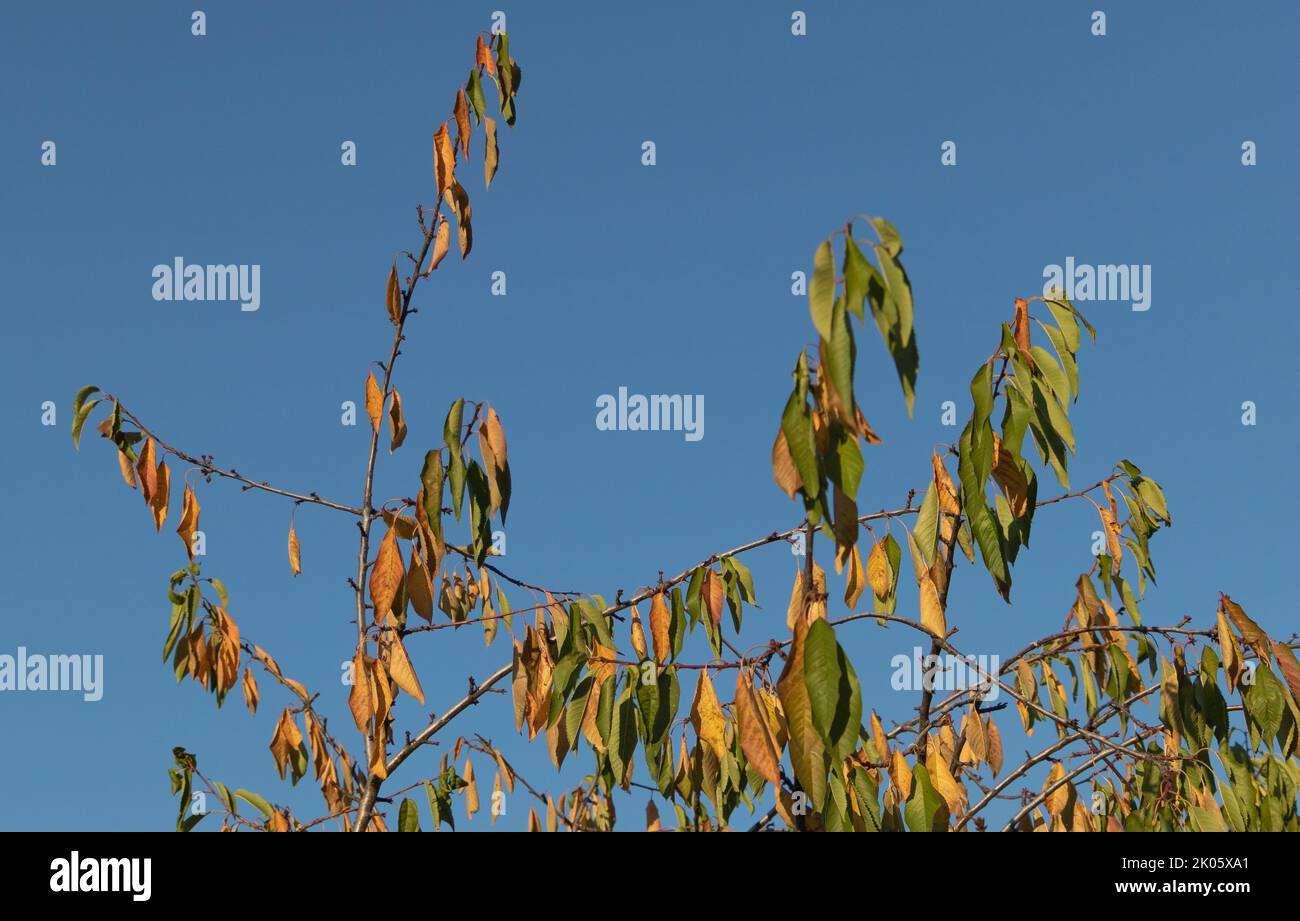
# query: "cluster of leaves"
[[585, 674]]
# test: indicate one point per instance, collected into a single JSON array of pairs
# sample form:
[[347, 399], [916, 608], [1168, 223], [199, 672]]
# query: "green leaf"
[[926, 530], [890, 241], [474, 93], [797, 426], [408, 815], [840, 352], [926, 809], [451, 436], [256, 801], [833, 690], [81, 412], [821, 289], [859, 276], [431, 477]]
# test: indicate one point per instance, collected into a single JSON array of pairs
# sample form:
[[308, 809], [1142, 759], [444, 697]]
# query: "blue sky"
[[671, 279]]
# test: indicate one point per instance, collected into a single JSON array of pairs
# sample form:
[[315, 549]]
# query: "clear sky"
[[667, 279]]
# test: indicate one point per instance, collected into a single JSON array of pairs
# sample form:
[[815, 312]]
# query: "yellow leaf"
[[396, 423], [944, 783], [285, 741], [491, 154], [393, 297], [444, 158], [879, 574], [755, 736], [638, 635], [295, 558], [901, 775], [932, 617], [189, 519], [374, 401], [707, 718], [1058, 798], [399, 666], [386, 577], [652, 817], [161, 496], [460, 112]]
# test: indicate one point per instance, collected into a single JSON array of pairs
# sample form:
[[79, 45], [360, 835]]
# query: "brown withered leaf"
[[393, 297], [359, 698], [148, 472], [374, 401], [189, 519], [1289, 666], [846, 527], [714, 598], [483, 56], [444, 159], [161, 495], [458, 199], [460, 112], [386, 577], [396, 422], [285, 741], [401, 670], [855, 581], [419, 586], [755, 736], [250, 692], [1015, 486], [491, 155], [783, 469], [441, 244], [660, 621], [707, 717], [295, 554], [1021, 329], [1251, 632], [943, 485]]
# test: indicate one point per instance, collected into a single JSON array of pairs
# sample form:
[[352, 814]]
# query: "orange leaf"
[[444, 159], [483, 56], [660, 620], [386, 577], [374, 401], [441, 244], [399, 666], [460, 111], [148, 471], [295, 559], [755, 736], [189, 523]]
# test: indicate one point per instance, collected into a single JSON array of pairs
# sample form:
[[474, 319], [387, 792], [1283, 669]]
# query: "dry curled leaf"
[[161, 495], [374, 401], [189, 523], [295, 558], [444, 158], [491, 154], [460, 112], [396, 423], [441, 244], [401, 670], [393, 297]]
